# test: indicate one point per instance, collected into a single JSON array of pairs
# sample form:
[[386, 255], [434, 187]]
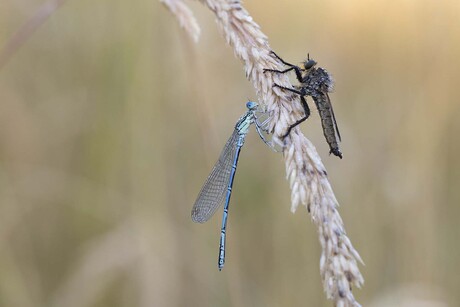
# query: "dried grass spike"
[[305, 172], [185, 17]]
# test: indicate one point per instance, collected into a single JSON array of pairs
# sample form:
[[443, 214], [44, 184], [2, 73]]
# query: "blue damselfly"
[[220, 181]]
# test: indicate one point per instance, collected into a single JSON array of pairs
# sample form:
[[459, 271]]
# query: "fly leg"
[[280, 71], [307, 114], [300, 93], [304, 105], [297, 69], [280, 59]]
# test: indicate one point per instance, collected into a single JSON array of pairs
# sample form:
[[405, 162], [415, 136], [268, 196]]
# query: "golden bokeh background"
[[111, 118]]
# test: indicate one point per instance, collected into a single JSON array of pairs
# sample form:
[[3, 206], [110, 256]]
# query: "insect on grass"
[[316, 83]]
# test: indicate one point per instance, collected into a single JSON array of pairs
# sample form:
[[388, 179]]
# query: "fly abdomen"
[[328, 122]]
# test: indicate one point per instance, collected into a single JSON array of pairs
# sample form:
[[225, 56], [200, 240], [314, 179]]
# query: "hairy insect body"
[[316, 83], [317, 80]]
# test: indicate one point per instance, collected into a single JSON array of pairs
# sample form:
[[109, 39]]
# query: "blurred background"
[[111, 119]]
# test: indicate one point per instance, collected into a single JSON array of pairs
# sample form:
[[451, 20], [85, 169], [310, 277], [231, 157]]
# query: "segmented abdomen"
[[327, 121]]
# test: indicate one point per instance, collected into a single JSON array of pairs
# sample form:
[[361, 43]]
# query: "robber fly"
[[317, 83]]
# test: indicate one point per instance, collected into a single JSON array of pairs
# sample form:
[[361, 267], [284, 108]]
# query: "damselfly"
[[220, 181]]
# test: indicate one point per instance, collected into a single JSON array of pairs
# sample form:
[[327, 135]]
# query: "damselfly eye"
[[309, 64], [251, 105]]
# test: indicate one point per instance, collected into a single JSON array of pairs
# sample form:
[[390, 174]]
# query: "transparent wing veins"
[[214, 189]]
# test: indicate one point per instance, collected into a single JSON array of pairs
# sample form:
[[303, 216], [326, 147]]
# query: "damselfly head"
[[251, 105]]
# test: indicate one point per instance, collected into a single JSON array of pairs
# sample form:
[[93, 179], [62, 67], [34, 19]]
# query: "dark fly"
[[316, 83]]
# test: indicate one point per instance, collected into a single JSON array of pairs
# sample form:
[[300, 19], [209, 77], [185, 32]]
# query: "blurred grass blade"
[[27, 29]]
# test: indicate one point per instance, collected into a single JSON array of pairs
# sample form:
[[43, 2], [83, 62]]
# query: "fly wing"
[[213, 191], [333, 117]]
